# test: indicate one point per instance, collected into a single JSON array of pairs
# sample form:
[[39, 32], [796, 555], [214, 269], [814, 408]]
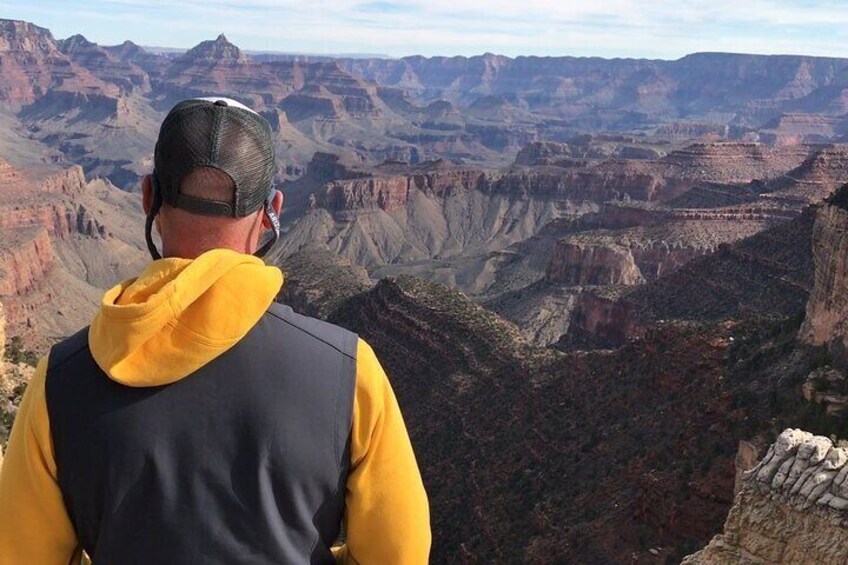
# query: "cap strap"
[[203, 206]]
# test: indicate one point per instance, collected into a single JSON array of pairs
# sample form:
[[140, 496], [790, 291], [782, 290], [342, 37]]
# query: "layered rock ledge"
[[792, 507]]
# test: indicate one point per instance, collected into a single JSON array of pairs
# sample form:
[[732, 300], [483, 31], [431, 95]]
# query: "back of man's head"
[[212, 185]]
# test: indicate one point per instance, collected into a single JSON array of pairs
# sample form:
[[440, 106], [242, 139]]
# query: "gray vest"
[[243, 461]]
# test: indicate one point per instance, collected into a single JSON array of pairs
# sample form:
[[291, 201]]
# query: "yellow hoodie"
[[154, 330]]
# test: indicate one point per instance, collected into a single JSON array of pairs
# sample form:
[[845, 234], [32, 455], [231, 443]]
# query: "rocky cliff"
[[633, 256], [750, 87], [792, 507], [391, 193], [102, 64], [32, 64], [61, 240], [812, 181], [650, 469], [578, 264], [768, 274], [827, 309]]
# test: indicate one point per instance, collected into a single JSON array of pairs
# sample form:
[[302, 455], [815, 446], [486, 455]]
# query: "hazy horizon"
[[664, 29]]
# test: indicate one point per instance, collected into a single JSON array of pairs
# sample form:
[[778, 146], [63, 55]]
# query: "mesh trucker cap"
[[219, 133], [223, 134]]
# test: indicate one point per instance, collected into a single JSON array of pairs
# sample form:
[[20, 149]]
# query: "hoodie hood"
[[179, 315]]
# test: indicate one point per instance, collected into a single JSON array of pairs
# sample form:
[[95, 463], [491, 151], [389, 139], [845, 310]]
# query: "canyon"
[[56, 251], [590, 281]]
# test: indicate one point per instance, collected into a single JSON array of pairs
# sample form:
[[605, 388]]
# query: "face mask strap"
[[275, 225], [154, 210], [157, 205]]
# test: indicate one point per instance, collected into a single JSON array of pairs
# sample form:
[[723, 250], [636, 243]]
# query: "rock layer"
[[792, 508]]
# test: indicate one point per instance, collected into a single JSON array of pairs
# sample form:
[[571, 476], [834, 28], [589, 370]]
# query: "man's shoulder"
[[332, 336], [68, 348]]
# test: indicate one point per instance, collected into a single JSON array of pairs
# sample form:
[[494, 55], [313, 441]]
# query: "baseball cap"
[[223, 134], [220, 133]]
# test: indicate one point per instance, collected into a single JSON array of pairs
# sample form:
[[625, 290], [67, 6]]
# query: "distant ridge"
[[270, 54]]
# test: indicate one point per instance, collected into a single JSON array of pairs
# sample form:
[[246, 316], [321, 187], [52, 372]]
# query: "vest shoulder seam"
[[307, 332], [52, 362]]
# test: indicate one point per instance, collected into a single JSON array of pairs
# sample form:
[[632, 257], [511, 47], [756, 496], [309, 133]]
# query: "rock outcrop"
[[391, 193], [32, 65], [768, 274], [736, 162], [577, 264], [633, 256], [56, 248], [104, 65], [792, 508], [814, 180], [14, 377], [793, 128], [31, 223]]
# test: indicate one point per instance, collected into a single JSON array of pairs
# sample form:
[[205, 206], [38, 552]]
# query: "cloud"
[[386, 8], [658, 28]]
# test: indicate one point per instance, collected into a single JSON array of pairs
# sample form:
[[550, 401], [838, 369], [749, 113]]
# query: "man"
[[196, 421]]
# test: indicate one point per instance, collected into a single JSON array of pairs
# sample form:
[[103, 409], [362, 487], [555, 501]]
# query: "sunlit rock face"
[[792, 508], [13, 380]]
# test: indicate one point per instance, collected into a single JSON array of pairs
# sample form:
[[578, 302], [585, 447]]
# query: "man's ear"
[[146, 194], [277, 205]]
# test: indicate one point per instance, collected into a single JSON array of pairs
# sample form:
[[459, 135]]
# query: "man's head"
[[212, 182]]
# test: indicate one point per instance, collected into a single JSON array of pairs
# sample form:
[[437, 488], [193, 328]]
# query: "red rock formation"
[[26, 50], [301, 90], [608, 181], [576, 264], [390, 193], [30, 219], [794, 128], [153, 64], [813, 180], [69, 181], [15, 185], [325, 167], [32, 64], [104, 65], [577, 151], [50, 206], [600, 321], [25, 258]]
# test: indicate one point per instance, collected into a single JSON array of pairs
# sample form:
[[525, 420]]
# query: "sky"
[[663, 29]]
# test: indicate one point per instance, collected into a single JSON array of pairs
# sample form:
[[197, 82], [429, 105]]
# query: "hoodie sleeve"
[[387, 516], [34, 525]]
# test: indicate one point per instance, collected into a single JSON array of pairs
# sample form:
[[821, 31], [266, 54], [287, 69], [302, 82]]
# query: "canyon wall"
[[792, 508], [576, 264], [582, 263], [31, 224], [826, 322], [56, 251], [391, 193]]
